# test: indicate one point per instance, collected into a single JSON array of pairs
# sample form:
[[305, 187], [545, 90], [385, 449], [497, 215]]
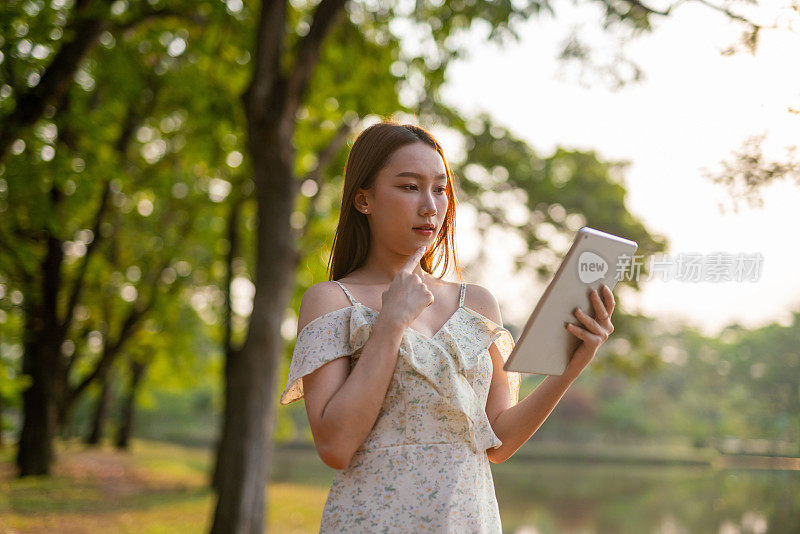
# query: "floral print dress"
[[423, 467]]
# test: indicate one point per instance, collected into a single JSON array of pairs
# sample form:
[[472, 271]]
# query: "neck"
[[382, 265]]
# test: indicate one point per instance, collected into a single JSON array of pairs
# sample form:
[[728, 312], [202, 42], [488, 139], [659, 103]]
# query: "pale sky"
[[692, 110]]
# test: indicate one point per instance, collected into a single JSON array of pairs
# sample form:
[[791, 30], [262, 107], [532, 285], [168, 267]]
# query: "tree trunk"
[[100, 412], [63, 412], [227, 342], [35, 447], [2, 443], [271, 102], [226, 432], [252, 374], [42, 362], [125, 427]]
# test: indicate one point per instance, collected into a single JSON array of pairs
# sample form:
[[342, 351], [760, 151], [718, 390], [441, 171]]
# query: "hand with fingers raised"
[[596, 331], [407, 295]]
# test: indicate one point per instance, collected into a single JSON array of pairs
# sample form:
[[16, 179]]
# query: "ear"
[[361, 201]]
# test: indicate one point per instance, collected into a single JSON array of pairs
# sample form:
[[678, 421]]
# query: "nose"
[[428, 206]]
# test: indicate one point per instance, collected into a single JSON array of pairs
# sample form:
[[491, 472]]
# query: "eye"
[[439, 190]]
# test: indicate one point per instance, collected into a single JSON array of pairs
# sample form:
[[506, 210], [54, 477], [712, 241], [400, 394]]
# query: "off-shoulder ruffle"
[[333, 335], [470, 340], [490, 332], [461, 344]]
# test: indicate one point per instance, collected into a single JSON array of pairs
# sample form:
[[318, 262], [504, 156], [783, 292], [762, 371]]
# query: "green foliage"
[[155, 112], [150, 122]]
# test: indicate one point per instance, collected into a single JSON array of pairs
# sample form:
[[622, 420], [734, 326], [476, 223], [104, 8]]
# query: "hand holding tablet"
[[593, 331], [545, 345]]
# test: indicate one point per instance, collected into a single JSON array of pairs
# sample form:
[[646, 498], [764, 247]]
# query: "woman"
[[405, 397]]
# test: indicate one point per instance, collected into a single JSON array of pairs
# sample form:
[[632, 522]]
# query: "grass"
[[154, 488], [161, 487]]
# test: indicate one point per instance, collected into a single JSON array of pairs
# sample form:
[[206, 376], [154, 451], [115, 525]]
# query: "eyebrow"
[[416, 175]]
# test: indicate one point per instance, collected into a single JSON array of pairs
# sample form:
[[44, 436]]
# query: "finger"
[[585, 335], [600, 311], [590, 323], [579, 332], [413, 260], [608, 298]]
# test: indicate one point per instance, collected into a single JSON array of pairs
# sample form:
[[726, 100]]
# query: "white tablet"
[[595, 258]]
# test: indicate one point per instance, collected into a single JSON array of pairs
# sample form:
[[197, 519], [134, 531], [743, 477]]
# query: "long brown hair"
[[369, 153]]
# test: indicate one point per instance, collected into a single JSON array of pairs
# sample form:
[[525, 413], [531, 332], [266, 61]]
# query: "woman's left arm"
[[514, 423]]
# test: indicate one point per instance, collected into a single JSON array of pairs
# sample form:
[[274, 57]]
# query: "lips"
[[425, 227]]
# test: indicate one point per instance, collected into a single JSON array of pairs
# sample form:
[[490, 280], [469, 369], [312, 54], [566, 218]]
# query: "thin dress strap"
[[353, 301], [461, 297]]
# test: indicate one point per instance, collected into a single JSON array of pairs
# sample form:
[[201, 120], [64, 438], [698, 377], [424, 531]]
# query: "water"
[[560, 497], [565, 498]]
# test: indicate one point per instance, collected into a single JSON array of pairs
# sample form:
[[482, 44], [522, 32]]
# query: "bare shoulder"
[[319, 299], [482, 301]]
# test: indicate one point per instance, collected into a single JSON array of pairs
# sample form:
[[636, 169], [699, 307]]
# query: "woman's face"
[[408, 192]]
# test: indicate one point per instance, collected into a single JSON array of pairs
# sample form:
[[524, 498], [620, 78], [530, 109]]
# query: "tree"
[[288, 51], [60, 222], [301, 99], [125, 426], [101, 410]]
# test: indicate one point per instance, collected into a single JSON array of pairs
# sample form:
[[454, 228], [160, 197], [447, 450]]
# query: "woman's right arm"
[[343, 405]]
